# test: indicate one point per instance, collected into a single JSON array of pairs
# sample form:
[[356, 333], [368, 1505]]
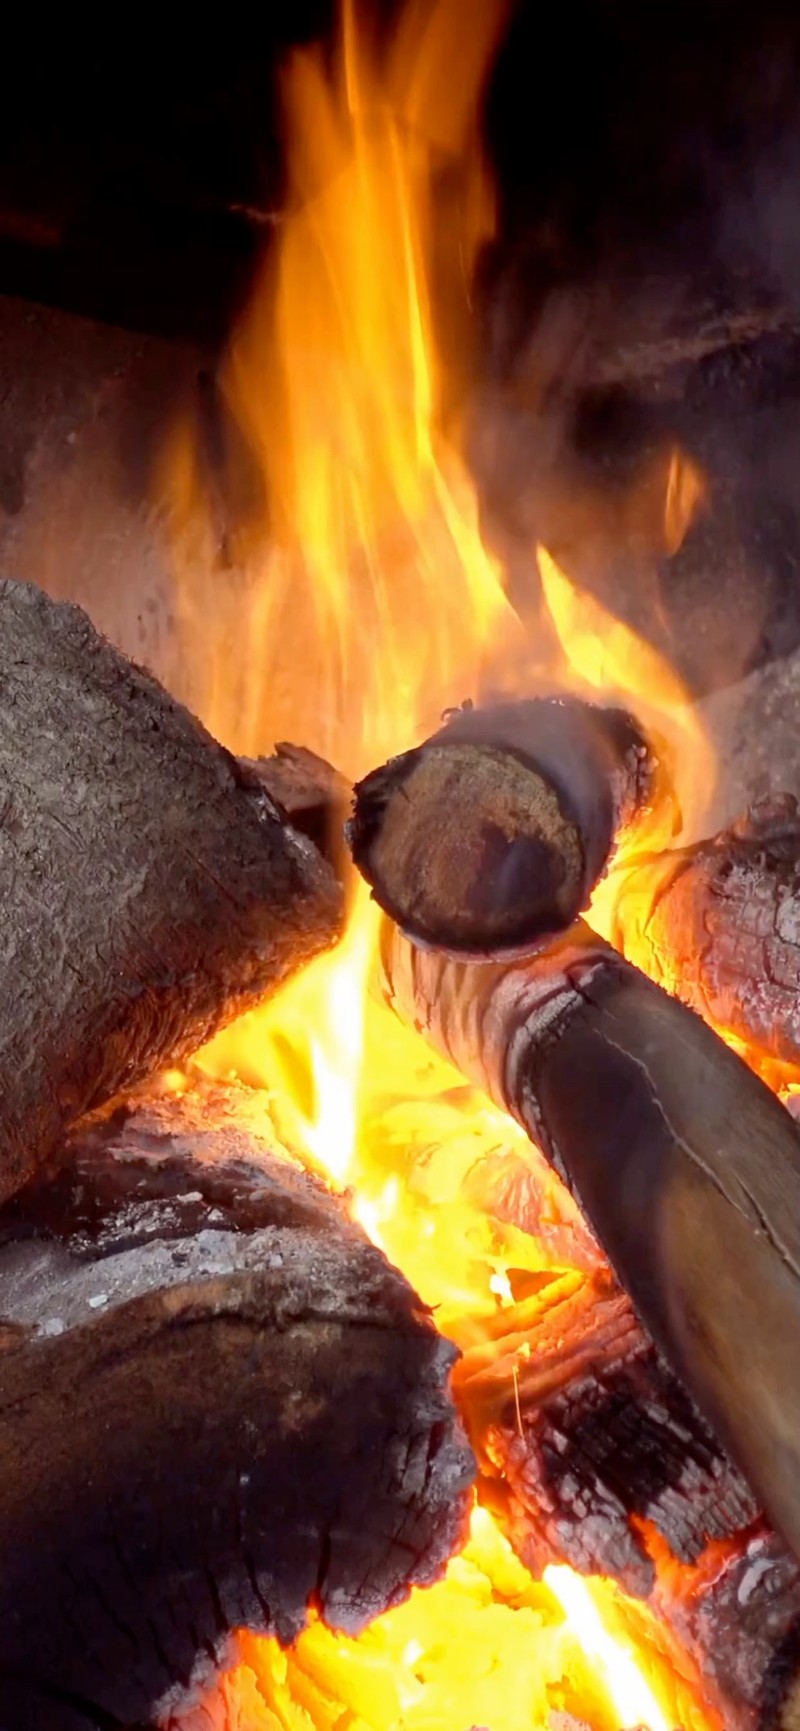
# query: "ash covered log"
[[719, 924], [217, 1401], [151, 889], [684, 1163], [494, 832]]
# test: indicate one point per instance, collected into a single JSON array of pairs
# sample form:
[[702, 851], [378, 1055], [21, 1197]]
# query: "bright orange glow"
[[361, 608], [481, 1648], [607, 657]]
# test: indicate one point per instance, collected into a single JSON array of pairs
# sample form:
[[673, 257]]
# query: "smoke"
[[643, 293]]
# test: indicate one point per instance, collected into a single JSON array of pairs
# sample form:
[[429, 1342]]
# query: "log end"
[[490, 836], [468, 849]]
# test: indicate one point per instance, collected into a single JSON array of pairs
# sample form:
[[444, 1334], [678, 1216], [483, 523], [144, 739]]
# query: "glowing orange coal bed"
[[368, 604]]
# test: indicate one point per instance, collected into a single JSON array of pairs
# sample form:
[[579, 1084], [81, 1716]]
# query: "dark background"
[[648, 163], [135, 160]]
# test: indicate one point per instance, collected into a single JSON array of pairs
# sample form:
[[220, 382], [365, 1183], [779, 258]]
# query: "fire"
[[373, 602], [480, 1648], [604, 655], [367, 603]]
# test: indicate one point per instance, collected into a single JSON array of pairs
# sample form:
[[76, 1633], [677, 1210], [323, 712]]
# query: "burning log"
[[494, 832], [218, 1401], [591, 1451], [151, 889], [682, 1160], [313, 796], [587, 1442], [719, 924]]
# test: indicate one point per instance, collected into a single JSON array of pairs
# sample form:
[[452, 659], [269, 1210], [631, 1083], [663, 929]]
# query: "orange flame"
[[367, 603], [603, 654], [373, 603]]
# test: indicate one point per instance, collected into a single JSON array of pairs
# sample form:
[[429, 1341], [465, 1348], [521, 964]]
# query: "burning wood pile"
[[221, 1403], [398, 1292]]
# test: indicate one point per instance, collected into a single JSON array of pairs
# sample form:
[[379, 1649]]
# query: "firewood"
[[314, 797], [684, 1163], [591, 1452], [152, 890], [719, 925], [738, 1614], [218, 1401], [587, 1442], [494, 832]]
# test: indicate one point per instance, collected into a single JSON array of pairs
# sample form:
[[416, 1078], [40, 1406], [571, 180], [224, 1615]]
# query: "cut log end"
[[491, 835], [477, 844], [219, 1402]]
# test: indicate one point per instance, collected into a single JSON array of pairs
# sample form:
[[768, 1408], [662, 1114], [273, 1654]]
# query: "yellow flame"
[[366, 603], [370, 606], [607, 658], [628, 1690], [483, 1647]]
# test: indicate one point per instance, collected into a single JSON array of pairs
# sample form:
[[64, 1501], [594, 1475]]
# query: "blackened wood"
[[217, 1400], [151, 889], [494, 832], [684, 1163], [738, 1613], [719, 925], [583, 1434], [313, 796]]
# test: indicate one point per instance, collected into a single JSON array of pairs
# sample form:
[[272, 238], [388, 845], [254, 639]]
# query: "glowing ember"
[[368, 604], [482, 1648]]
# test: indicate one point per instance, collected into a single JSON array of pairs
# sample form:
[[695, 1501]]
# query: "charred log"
[[682, 1160], [494, 832], [719, 925], [587, 1443], [152, 890], [590, 1451], [313, 796], [738, 1612], [218, 1401]]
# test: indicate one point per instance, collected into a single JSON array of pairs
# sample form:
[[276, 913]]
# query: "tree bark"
[[494, 832], [151, 890], [719, 925], [683, 1162], [218, 1401]]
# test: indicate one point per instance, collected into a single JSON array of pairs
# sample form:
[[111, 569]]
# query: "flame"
[[367, 603], [686, 493], [606, 657], [374, 587], [477, 1649], [628, 1689]]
